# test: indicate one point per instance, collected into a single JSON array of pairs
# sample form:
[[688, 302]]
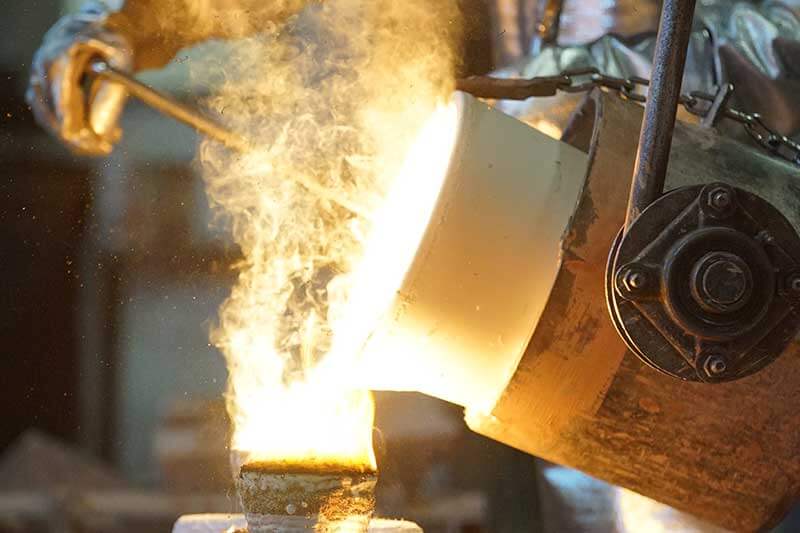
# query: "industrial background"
[[112, 275]]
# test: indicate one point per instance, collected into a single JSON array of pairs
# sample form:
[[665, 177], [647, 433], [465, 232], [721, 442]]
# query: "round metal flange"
[[722, 282], [708, 276], [702, 286]]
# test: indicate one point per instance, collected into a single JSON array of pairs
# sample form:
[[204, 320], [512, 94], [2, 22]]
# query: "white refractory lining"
[[215, 523], [483, 271]]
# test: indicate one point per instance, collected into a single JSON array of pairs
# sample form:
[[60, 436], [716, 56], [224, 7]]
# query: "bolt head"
[[715, 366], [721, 282], [636, 280], [720, 199], [632, 280], [794, 284]]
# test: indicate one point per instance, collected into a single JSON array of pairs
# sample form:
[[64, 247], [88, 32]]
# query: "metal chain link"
[[634, 88], [697, 103]]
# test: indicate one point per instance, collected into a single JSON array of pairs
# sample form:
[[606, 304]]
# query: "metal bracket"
[[702, 286]]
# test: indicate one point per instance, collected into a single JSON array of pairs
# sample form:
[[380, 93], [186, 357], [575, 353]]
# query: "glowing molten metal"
[[349, 101]]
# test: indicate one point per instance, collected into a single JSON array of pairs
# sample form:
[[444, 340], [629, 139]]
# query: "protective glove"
[[80, 111]]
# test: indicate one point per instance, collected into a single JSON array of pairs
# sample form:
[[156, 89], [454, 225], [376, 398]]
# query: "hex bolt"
[[632, 280], [794, 284], [720, 199], [721, 282], [715, 366], [636, 280]]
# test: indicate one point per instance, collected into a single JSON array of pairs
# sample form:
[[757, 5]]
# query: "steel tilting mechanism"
[[703, 282]]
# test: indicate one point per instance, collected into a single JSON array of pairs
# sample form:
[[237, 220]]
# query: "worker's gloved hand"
[[80, 111]]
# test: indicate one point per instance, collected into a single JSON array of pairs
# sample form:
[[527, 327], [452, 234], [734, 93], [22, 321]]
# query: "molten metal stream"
[[338, 100]]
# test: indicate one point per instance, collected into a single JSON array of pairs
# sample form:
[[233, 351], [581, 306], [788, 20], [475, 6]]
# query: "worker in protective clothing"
[[136, 35]]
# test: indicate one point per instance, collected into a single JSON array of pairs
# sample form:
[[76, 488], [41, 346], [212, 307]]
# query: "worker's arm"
[[136, 35], [157, 29]]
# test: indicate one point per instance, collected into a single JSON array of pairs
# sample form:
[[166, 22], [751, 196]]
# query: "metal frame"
[[655, 140]]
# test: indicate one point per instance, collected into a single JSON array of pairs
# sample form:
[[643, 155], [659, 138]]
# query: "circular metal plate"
[[667, 308]]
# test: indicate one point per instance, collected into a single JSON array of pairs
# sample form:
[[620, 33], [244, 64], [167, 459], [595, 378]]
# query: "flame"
[[348, 103]]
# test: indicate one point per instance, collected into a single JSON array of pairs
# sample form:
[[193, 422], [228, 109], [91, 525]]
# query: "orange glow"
[[350, 107]]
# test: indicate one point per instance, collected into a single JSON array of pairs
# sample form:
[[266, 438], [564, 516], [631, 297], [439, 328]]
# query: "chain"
[[697, 103]]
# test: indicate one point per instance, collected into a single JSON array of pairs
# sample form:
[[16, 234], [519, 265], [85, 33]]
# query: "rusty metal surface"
[[577, 399]]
